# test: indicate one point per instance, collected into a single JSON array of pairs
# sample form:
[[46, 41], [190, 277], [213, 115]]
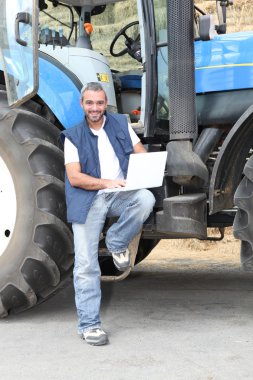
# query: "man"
[[96, 158]]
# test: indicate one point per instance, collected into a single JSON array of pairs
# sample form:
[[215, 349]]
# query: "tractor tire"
[[243, 222], [36, 245]]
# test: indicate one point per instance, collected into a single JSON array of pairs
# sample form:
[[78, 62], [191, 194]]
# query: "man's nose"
[[95, 106]]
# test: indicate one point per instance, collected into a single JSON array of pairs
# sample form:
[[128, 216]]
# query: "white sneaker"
[[95, 337], [121, 260]]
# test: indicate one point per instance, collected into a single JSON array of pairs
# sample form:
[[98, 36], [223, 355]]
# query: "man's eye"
[[100, 103]]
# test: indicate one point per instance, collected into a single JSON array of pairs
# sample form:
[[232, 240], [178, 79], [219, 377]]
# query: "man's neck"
[[96, 125]]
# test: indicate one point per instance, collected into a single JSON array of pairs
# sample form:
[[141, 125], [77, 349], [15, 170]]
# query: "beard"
[[94, 117]]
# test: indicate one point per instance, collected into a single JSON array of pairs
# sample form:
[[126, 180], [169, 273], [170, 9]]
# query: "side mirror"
[[221, 7]]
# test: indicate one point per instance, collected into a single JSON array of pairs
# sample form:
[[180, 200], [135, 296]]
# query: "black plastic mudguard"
[[228, 167]]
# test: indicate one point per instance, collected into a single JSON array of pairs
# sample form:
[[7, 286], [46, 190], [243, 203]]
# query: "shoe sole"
[[103, 340], [121, 269], [100, 343]]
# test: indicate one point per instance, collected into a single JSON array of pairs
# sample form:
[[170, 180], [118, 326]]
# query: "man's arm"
[[137, 145], [87, 182], [139, 148]]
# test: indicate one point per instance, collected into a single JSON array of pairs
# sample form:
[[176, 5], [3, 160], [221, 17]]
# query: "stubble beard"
[[94, 117]]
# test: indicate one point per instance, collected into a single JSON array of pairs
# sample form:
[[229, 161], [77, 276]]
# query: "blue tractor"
[[187, 88]]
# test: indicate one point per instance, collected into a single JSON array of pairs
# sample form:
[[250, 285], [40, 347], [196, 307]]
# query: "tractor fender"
[[60, 89], [228, 167]]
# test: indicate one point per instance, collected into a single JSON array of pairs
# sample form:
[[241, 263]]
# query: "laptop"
[[145, 170]]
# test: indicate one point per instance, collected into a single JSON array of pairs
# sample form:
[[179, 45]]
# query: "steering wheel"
[[133, 46]]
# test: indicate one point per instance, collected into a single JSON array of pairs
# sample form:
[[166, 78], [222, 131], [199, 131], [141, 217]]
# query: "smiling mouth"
[[95, 113]]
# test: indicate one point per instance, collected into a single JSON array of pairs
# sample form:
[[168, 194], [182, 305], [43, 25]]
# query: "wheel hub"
[[8, 206]]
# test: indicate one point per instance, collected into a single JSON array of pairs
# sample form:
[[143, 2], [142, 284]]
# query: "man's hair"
[[93, 86]]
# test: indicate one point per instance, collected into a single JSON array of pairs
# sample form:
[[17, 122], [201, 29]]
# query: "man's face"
[[94, 105]]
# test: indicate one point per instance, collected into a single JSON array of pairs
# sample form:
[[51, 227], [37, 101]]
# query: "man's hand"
[[112, 183]]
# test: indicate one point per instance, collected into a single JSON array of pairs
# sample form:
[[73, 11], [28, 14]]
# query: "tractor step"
[[133, 249], [183, 216]]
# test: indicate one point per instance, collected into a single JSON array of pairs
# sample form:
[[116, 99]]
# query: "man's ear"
[[81, 102]]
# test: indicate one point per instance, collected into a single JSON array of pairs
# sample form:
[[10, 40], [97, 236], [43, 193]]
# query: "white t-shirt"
[[109, 163]]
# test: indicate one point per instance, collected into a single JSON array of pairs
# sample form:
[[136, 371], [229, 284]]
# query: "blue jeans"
[[132, 208]]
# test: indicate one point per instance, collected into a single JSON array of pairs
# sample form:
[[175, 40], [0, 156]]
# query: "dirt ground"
[[179, 254]]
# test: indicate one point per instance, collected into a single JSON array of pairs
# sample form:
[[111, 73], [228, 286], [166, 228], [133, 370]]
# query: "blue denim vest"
[[79, 200]]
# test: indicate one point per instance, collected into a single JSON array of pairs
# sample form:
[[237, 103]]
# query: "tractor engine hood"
[[81, 3]]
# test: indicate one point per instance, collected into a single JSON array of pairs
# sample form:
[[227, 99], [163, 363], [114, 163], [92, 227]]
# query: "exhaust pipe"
[[183, 163]]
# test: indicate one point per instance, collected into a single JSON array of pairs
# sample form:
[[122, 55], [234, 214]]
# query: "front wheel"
[[36, 249]]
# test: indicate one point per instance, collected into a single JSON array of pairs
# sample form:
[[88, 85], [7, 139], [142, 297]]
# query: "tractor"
[[186, 86]]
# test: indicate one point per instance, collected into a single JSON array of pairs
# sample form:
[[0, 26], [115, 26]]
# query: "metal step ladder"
[[133, 249]]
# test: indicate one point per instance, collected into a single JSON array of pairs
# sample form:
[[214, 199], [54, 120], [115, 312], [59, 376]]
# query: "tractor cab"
[[76, 35]]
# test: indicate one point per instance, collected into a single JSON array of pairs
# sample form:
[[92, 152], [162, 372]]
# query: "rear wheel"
[[243, 223], [36, 249]]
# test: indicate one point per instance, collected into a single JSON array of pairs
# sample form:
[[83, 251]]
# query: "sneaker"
[[95, 337], [121, 260]]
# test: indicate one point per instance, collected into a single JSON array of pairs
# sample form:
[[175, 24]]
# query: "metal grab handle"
[[21, 17]]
